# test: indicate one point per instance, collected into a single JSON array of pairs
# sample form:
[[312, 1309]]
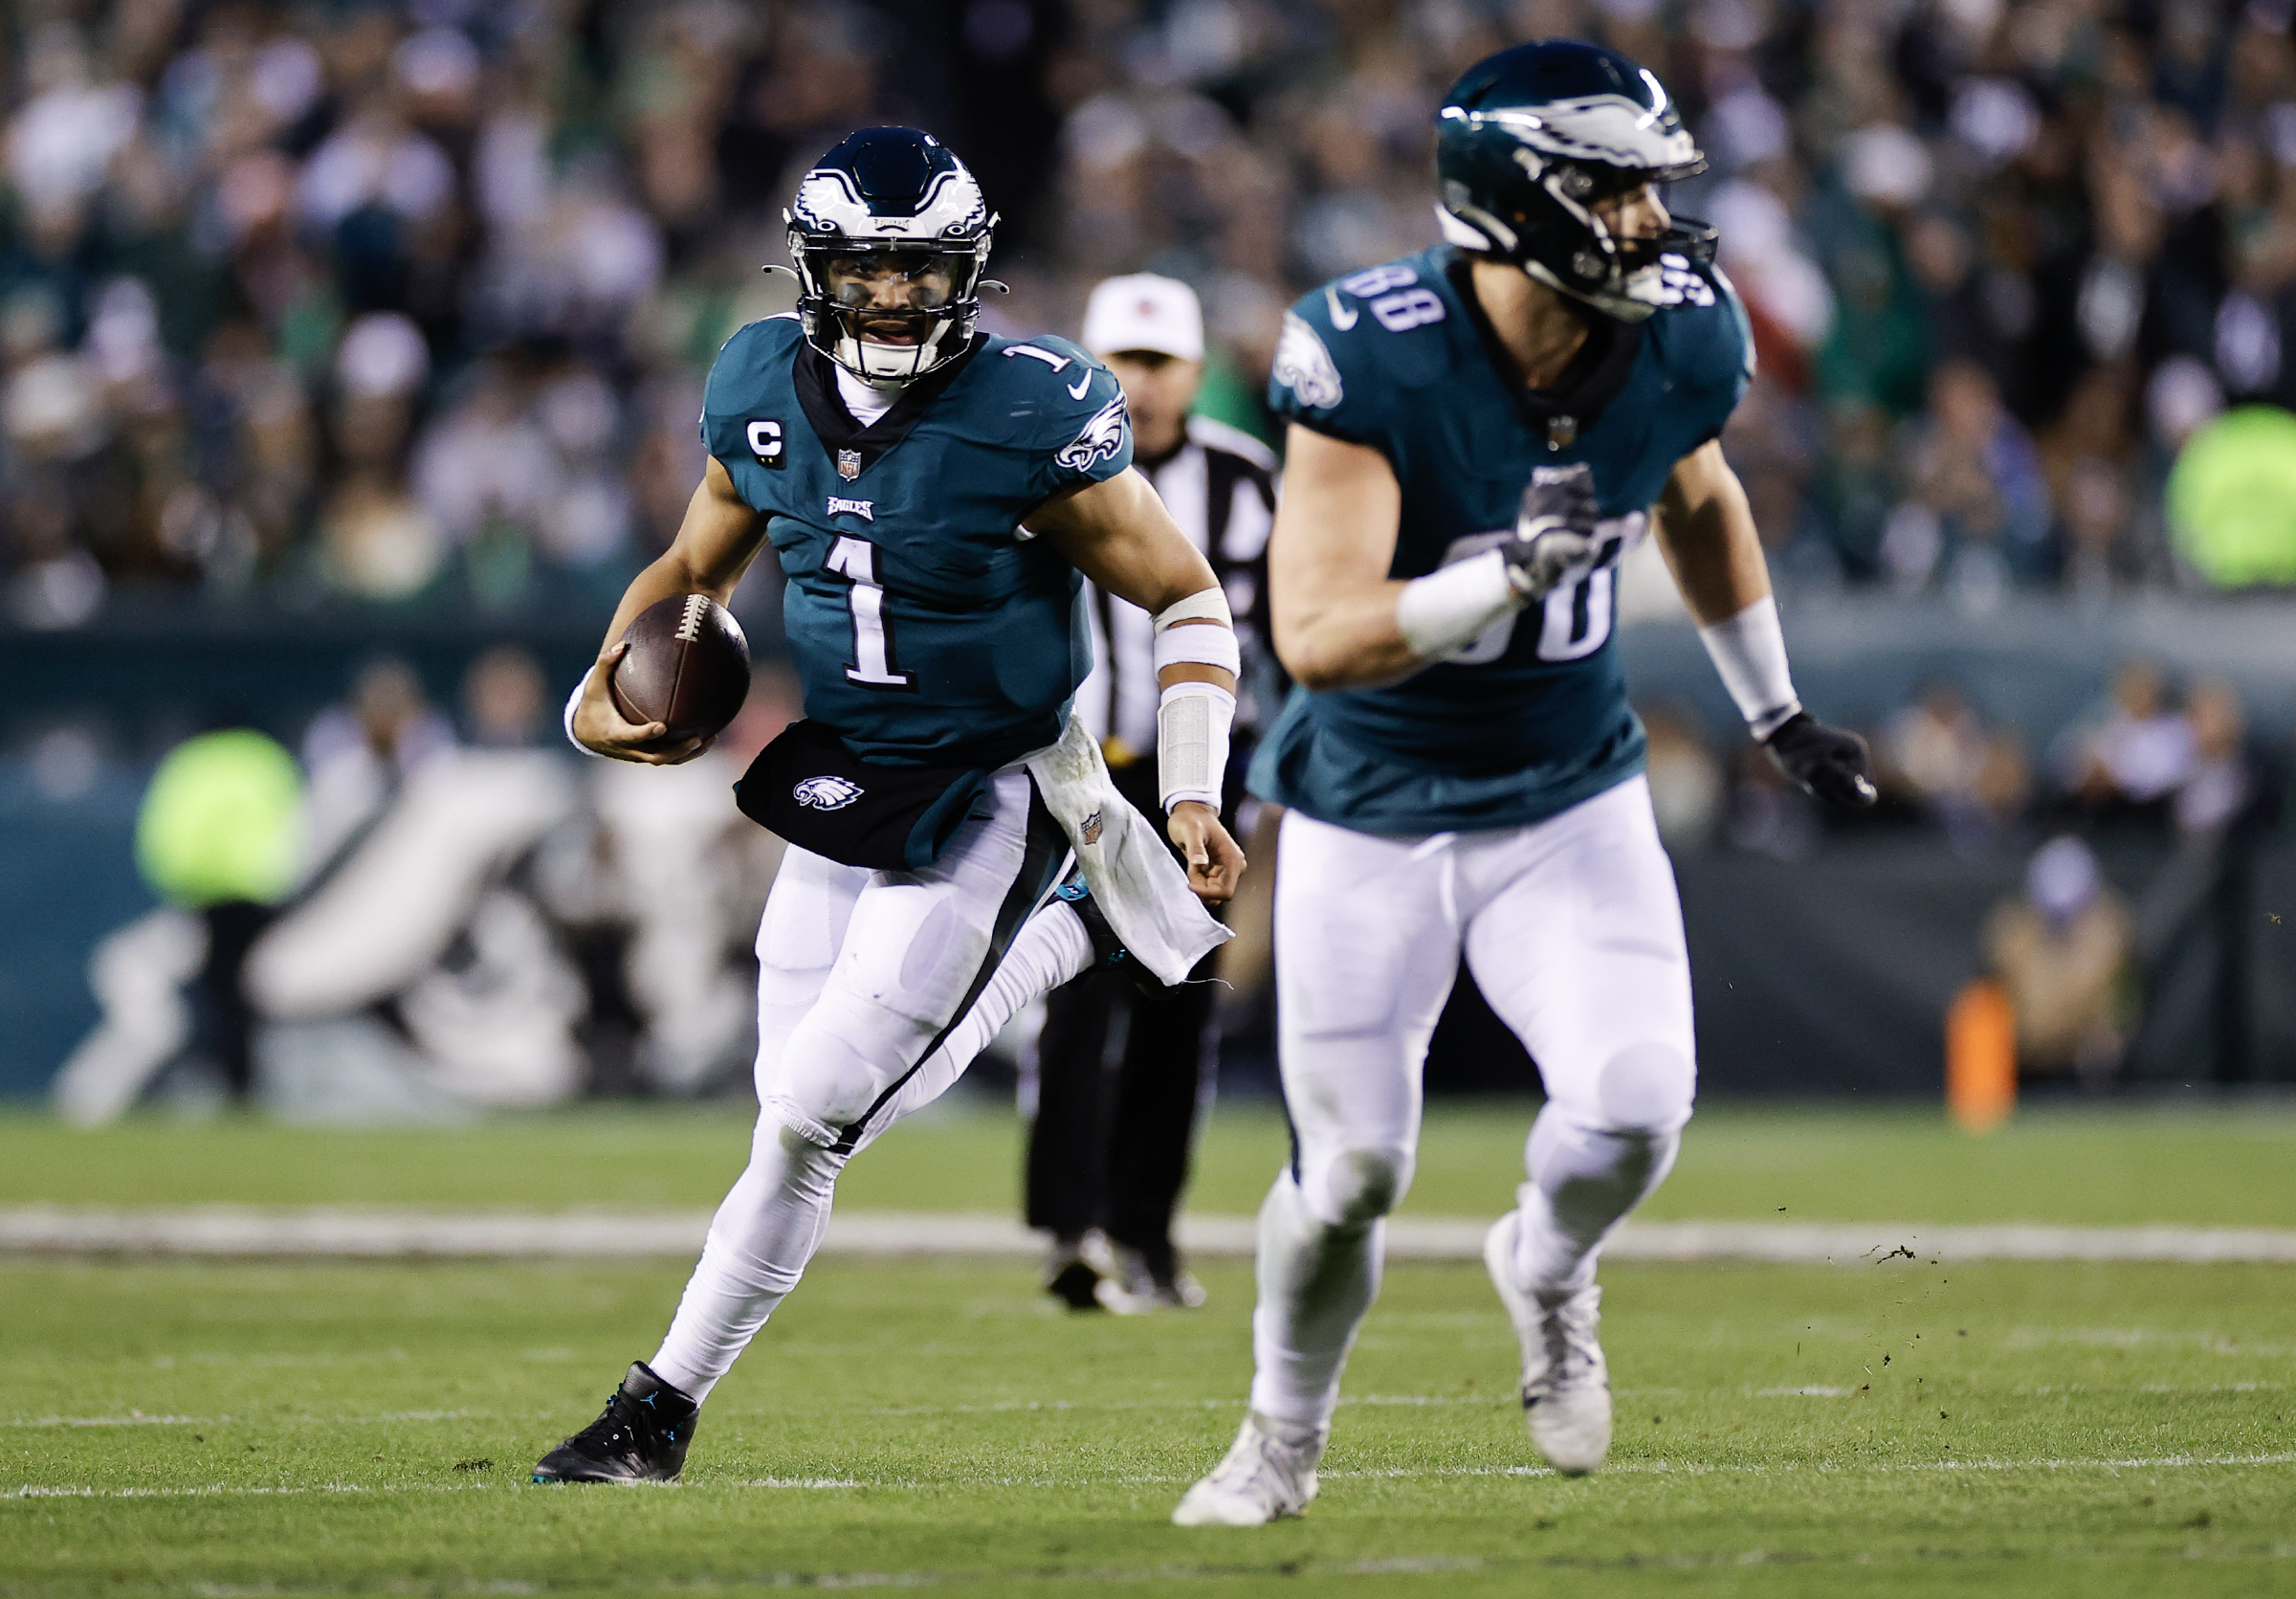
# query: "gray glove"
[[1553, 529]]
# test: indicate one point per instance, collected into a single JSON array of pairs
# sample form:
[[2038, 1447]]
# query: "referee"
[[1120, 1072]]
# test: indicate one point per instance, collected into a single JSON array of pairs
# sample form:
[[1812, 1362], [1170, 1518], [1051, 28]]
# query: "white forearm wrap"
[[1451, 606], [1208, 638], [573, 701], [1192, 723], [1748, 651]]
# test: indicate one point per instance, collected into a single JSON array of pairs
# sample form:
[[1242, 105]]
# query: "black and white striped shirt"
[[1220, 486]]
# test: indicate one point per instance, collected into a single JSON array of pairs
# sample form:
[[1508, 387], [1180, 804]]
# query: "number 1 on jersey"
[[856, 559]]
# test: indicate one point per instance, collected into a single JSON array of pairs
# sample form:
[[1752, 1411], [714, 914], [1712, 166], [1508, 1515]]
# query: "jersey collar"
[[816, 381], [1560, 414]]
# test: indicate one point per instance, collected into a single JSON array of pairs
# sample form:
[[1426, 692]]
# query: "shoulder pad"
[[1703, 333], [1060, 399], [1348, 351]]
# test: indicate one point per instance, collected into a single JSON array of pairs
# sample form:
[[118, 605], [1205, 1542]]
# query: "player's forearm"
[[1705, 531], [1346, 641]]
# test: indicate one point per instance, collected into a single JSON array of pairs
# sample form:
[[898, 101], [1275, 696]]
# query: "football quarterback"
[[934, 496]]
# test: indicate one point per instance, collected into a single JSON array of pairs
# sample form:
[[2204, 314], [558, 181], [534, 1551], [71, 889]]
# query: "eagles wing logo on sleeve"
[[1304, 367], [826, 793], [1103, 436]]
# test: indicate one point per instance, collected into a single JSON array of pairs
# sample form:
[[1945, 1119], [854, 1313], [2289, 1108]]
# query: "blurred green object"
[[222, 820], [1226, 397], [2231, 498]]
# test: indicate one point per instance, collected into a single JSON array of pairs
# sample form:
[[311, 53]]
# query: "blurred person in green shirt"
[[2231, 498], [220, 834]]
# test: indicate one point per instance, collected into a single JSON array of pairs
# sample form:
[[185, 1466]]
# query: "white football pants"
[[1574, 933], [875, 989]]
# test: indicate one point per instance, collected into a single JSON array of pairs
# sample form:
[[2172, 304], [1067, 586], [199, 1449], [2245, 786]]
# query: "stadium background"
[[348, 361], [336, 333]]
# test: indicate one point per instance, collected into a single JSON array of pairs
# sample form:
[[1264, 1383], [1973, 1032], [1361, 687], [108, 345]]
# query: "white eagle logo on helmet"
[[827, 203], [1102, 438], [826, 793]]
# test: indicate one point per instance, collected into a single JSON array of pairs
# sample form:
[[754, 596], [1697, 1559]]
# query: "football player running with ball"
[[936, 496], [1479, 433]]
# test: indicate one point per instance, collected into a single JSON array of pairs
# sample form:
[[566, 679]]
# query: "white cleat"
[[1261, 1480], [1566, 1383]]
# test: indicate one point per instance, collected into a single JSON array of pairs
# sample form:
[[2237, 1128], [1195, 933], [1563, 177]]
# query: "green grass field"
[[2229, 1166], [1906, 1428]]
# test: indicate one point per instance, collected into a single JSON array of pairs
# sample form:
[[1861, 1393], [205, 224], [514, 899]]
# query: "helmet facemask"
[[1533, 142], [889, 233], [887, 312]]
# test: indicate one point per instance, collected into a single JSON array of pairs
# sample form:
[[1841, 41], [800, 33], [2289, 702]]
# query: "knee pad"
[[1357, 1187], [838, 1062], [1646, 1088]]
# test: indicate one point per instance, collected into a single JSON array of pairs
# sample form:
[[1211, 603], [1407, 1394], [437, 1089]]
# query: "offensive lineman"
[[932, 496], [1478, 434]]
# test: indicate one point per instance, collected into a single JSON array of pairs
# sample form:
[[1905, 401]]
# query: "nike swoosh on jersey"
[[1342, 318], [1082, 383]]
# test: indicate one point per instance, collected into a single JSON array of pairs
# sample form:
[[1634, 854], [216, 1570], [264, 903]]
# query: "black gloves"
[[1824, 761], [1554, 528]]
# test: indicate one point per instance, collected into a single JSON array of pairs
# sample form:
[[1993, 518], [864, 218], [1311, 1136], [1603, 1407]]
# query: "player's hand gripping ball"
[[1553, 529], [1824, 761], [676, 677]]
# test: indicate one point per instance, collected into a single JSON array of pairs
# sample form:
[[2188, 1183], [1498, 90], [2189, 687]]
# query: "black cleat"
[[1071, 1278], [641, 1436]]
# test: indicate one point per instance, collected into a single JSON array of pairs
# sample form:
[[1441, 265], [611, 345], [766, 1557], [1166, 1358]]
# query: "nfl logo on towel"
[[849, 464]]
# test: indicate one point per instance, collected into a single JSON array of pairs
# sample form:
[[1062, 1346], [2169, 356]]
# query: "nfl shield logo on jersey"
[[849, 464], [826, 793]]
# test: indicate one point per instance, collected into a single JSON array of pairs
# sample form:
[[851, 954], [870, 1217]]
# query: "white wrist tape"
[[1208, 639], [1198, 644], [1192, 723], [1205, 604], [1451, 607], [573, 701], [1749, 650]]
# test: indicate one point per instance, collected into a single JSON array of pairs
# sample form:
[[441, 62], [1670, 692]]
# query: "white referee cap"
[[1144, 312]]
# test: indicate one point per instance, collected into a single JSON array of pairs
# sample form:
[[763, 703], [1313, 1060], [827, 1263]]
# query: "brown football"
[[687, 667]]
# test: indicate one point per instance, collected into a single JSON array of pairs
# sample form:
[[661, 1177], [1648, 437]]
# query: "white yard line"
[[449, 1235], [1636, 1468]]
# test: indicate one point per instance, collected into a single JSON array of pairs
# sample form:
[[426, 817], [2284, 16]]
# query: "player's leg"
[[1366, 944], [649, 1420], [1168, 1044], [1066, 1172], [1575, 934], [914, 953]]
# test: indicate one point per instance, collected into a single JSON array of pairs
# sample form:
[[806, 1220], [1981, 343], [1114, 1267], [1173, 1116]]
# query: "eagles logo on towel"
[[1102, 438], [826, 793]]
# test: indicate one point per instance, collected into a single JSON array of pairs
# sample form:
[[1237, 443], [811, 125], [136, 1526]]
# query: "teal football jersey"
[[1531, 717], [927, 627]]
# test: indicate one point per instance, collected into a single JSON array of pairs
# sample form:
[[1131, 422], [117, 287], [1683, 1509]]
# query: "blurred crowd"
[[409, 304], [2151, 760]]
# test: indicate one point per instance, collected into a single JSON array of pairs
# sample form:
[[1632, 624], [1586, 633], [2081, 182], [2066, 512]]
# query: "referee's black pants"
[[1119, 1075]]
